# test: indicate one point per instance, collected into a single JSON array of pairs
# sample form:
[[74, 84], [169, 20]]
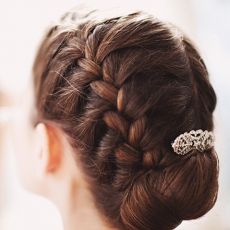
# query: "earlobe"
[[48, 153]]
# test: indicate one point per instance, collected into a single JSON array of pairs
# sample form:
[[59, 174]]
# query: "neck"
[[68, 190], [77, 209], [80, 216]]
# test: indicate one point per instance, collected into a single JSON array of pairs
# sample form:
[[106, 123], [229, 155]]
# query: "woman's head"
[[122, 89]]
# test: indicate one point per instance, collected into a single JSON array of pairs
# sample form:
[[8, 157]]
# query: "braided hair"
[[122, 88]]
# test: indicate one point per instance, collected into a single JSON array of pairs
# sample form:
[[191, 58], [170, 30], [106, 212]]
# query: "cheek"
[[26, 143], [23, 135]]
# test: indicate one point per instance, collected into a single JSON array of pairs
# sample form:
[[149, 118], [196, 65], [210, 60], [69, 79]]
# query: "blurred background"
[[22, 23]]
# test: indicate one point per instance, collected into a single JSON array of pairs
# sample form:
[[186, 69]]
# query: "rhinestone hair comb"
[[199, 139]]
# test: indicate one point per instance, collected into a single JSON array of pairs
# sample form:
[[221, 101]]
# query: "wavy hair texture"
[[123, 88]]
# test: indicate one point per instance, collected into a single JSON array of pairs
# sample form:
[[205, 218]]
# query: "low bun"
[[163, 197], [144, 207], [123, 89]]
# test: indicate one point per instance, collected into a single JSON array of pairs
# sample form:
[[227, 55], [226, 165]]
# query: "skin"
[[47, 167]]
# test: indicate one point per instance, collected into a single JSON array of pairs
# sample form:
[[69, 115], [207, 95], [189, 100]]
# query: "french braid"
[[122, 89]]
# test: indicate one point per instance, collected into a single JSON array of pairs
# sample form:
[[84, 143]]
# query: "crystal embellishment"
[[200, 140]]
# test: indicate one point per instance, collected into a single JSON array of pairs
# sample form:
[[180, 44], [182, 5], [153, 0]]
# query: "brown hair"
[[123, 88]]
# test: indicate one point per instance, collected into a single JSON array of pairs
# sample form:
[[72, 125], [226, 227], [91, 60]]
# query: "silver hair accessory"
[[199, 139]]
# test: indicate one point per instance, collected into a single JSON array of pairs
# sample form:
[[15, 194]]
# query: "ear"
[[48, 150]]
